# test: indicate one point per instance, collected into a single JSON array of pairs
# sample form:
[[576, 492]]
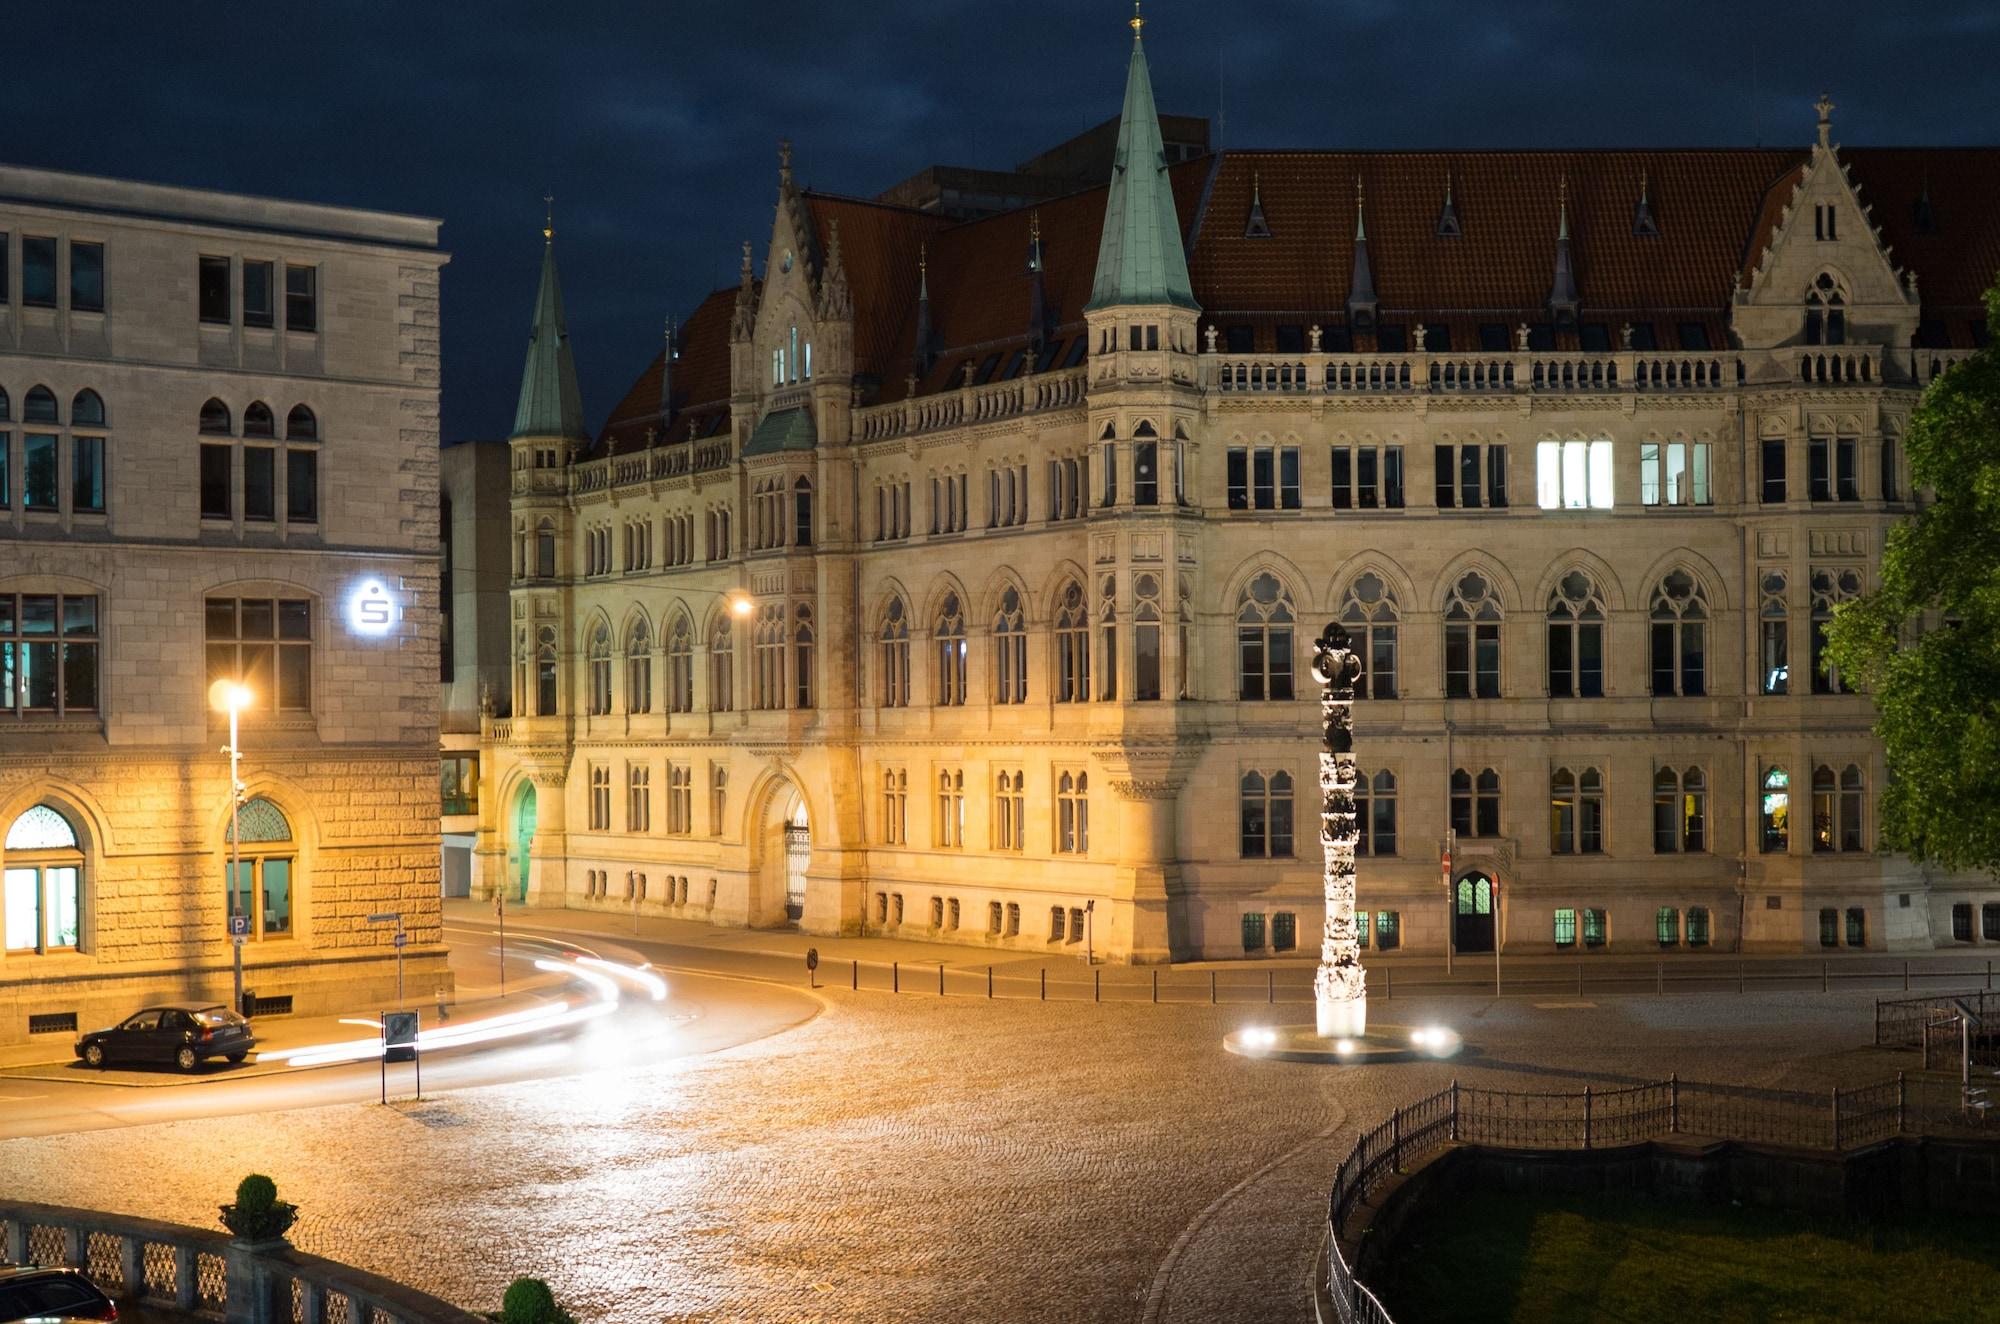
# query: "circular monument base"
[[1382, 1043]]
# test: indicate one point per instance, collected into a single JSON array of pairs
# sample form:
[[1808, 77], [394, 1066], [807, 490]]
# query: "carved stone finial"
[[746, 260], [785, 160], [909, 385], [1825, 108], [548, 216]]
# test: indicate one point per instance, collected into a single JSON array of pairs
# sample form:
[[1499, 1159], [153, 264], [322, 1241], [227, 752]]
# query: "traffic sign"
[[239, 926], [399, 1029], [400, 940]]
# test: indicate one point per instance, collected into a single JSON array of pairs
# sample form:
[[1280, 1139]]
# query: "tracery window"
[[948, 638], [767, 656], [1680, 636], [895, 652], [1264, 620], [721, 667], [1475, 803], [1576, 812], [1472, 620], [803, 672], [1369, 614], [1837, 822], [1775, 812], [599, 666], [639, 668], [1072, 639], [1146, 641], [1773, 635], [1680, 811], [1375, 813], [1264, 815], [1073, 813], [1576, 638], [1010, 650], [1009, 810], [950, 830], [680, 665], [1826, 312], [1831, 586]]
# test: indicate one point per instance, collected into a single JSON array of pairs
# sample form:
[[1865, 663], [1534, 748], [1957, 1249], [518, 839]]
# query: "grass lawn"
[[1536, 1259]]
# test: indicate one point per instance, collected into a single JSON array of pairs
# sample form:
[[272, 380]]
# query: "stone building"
[[472, 638], [956, 577], [218, 437]]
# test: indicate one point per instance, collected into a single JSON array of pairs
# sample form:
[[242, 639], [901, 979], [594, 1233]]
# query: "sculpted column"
[[1340, 995]]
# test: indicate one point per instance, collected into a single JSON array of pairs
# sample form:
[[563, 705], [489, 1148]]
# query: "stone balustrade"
[[1487, 373], [208, 1275]]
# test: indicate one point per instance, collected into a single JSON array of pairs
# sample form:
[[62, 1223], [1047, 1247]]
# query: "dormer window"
[[1826, 313], [1826, 221]]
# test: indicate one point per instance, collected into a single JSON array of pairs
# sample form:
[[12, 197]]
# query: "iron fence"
[[1837, 1120], [1901, 1022]]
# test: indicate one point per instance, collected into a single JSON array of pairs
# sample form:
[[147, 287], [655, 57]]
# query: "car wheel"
[[186, 1058], [238, 1057], [93, 1056]]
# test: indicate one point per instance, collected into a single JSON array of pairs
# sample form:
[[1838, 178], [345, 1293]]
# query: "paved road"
[[907, 1159]]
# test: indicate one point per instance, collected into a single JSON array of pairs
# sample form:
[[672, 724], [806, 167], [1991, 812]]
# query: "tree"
[[1927, 642]]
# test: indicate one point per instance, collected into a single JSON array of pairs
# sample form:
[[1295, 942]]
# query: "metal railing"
[[1900, 1022], [1838, 1120], [207, 1275]]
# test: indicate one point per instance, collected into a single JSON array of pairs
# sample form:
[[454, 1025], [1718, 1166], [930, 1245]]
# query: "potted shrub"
[[529, 1301], [258, 1215]]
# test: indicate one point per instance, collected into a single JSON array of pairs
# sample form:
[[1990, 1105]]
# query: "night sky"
[[654, 122]]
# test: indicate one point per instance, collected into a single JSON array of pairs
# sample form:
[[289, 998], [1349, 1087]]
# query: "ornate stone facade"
[[1033, 518]]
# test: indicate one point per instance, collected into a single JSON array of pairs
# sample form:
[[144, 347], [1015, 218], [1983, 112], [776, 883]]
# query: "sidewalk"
[[34, 1061]]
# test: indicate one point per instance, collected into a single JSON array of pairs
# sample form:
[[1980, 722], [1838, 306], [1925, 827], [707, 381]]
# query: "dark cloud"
[[654, 123]]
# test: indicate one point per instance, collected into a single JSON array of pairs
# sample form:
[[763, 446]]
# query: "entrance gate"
[[524, 835], [1472, 916], [798, 852]]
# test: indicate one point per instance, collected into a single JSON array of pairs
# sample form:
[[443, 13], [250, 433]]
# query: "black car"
[[30, 1293], [183, 1033]]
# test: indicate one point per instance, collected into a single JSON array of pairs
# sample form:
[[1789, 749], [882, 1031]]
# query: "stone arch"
[[943, 585], [72, 801], [775, 800], [997, 583], [636, 616], [1066, 571], [593, 620], [1382, 564], [1578, 558], [1713, 586], [1297, 583], [890, 587], [1495, 572]]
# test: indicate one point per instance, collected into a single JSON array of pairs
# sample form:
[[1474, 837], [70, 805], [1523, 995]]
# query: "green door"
[[524, 836]]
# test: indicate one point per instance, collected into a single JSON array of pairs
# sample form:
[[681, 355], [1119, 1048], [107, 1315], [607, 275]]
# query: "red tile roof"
[[1715, 209]]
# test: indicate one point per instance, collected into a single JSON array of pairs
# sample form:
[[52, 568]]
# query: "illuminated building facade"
[[1035, 513], [218, 437]]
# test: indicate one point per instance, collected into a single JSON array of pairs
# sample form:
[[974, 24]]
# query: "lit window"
[[1573, 475]]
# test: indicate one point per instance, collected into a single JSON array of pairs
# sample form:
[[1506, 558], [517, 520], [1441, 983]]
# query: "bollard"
[[1211, 988], [1270, 987], [1156, 988], [1097, 986], [895, 977], [1989, 976], [1739, 976], [1822, 976], [1388, 984], [1586, 1117], [1579, 981], [1045, 983], [1906, 976], [940, 978], [1659, 979], [989, 983], [854, 979]]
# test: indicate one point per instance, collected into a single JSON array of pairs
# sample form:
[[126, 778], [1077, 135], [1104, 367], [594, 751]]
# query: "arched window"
[[1576, 812], [895, 656], [1010, 811], [258, 421], [1146, 625], [1472, 622], [1776, 812], [545, 550], [40, 406], [1184, 628], [1576, 639], [1680, 811], [1073, 813], [1680, 636], [802, 513], [1836, 809], [1826, 312], [721, 667], [43, 883], [951, 808], [1072, 637], [1369, 614], [264, 876], [1830, 588], [767, 674], [6, 407], [948, 632], [1107, 633], [680, 665], [1010, 650], [1774, 635], [639, 668], [1264, 815], [215, 419], [301, 425], [545, 671], [802, 657], [1264, 640], [598, 663], [87, 409], [1475, 803]]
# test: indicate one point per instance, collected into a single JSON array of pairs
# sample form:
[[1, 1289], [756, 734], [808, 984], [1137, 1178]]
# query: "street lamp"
[[233, 697]]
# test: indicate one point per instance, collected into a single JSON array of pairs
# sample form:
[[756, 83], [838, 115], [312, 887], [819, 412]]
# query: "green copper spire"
[[550, 404], [1140, 259]]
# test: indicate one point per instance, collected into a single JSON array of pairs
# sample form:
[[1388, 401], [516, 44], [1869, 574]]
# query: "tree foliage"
[[1927, 642]]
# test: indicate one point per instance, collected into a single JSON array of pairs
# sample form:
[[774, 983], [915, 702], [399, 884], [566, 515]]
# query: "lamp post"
[[233, 697], [1089, 932]]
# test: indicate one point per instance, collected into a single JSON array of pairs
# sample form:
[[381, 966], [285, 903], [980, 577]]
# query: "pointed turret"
[[1562, 291], [1038, 294], [921, 356], [1447, 226], [743, 321], [667, 377], [1257, 227], [1141, 258], [1361, 285], [836, 299], [550, 405], [1643, 224]]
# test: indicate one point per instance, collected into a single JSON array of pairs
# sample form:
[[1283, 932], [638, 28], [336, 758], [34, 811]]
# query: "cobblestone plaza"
[[890, 1161]]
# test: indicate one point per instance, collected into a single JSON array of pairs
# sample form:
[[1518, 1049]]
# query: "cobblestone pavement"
[[907, 1160]]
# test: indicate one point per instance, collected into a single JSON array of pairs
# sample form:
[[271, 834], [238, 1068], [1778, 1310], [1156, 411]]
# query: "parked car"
[[31, 1293], [183, 1033]]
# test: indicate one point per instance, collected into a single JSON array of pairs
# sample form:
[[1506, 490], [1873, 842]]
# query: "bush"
[[258, 1214], [529, 1301]]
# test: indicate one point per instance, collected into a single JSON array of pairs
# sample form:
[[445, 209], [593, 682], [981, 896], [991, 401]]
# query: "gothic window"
[[680, 665], [545, 550], [767, 689], [1369, 614], [1837, 809], [545, 671], [895, 806], [1146, 643], [1265, 815], [1831, 473], [1264, 620], [721, 667], [1073, 813], [1072, 637], [950, 832], [258, 421], [600, 798], [1680, 811], [1475, 803], [948, 634], [1773, 636], [895, 656], [1472, 621], [1680, 636], [803, 674], [1184, 626], [1826, 312], [1576, 639], [802, 513], [1107, 633], [262, 868], [598, 664], [1831, 586], [1375, 813], [1576, 812], [639, 668], [1009, 811], [718, 804], [41, 893], [1010, 650], [1775, 812], [639, 797]]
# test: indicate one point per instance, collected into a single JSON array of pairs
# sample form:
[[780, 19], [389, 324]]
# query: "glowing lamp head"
[[230, 696], [741, 604], [1344, 1047]]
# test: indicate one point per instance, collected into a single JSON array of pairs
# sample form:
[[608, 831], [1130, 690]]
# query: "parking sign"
[[239, 926]]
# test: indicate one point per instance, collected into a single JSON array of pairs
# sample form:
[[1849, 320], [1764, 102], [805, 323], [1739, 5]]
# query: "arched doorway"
[[1472, 914], [798, 852], [784, 849], [518, 842]]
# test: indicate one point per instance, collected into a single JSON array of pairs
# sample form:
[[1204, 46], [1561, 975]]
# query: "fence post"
[[1396, 1148], [1906, 976], [1659, 979], [1674, 1104], [940, 978], [1454, 1108], [1579, 979], [1836, 1119], [1156, 986], [1388, 984], [895, 976], [1739, 977], [1045, 983], [1586, 1117], [1989, 976], [1270, 987], [1899, 1103], [854, 978], [989, 983], [1211, 988], [1097, 986]]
